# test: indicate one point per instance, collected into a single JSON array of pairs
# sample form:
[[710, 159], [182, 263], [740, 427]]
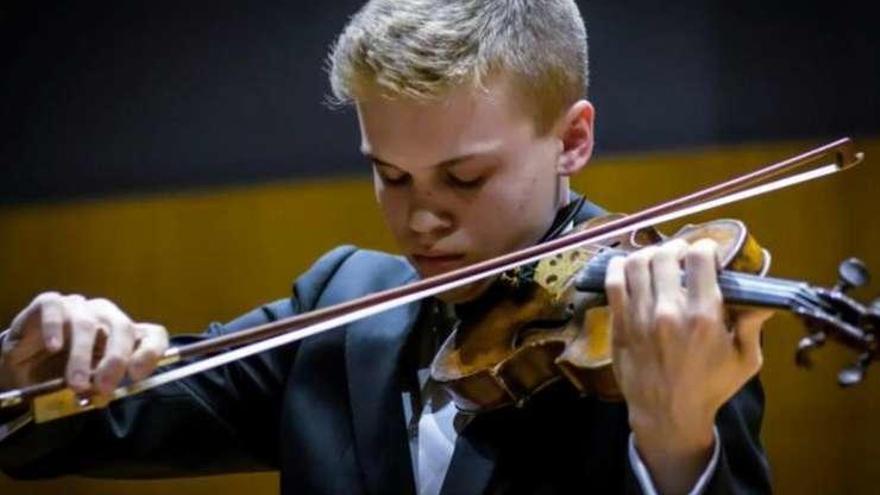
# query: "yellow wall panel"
[[186, 259]]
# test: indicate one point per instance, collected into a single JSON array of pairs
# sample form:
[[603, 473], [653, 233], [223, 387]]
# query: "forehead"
[[465, 121]]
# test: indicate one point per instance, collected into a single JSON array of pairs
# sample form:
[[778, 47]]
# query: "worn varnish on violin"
[[548, 322]]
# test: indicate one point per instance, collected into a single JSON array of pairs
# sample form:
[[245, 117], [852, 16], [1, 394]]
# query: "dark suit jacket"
[[327, 413]]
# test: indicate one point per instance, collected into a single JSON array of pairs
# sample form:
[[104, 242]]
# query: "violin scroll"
[[831, 313]]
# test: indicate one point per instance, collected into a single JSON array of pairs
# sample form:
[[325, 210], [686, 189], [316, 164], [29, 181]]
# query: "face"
[[464, 179]]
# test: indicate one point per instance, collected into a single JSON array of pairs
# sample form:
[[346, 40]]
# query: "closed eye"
[[390, 175], [463, 183]]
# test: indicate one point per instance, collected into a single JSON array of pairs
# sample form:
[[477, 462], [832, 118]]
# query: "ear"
[[576, 133]]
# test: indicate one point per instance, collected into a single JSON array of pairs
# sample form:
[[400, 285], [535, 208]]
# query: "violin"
[[546, 321], [550, 323]]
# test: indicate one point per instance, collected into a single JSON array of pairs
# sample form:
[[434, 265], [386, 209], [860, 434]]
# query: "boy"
[[472, 114]]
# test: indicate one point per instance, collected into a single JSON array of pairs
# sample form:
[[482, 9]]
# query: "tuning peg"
[[854, 374], [874, 307], [852, 273], [805, 347], [850, 376]]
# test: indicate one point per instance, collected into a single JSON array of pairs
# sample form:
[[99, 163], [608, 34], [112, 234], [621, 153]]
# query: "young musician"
[[473, 115]]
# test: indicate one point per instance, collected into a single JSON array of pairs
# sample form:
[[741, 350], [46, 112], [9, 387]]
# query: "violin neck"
[[753, 290], [736, 287]]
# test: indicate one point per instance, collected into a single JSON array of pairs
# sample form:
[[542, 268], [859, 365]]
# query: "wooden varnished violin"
[[550, 323], [547, 320]]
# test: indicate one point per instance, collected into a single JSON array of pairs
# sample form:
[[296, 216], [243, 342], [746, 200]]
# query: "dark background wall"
[[113, 97]]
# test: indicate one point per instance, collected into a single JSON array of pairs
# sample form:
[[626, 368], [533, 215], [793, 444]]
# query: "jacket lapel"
[[587, 210], [373, 352], [474, 458]]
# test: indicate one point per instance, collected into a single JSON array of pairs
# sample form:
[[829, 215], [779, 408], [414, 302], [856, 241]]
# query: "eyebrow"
[[451, 162]]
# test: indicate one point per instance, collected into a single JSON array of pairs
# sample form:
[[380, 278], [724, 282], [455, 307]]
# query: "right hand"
[[91, 341]]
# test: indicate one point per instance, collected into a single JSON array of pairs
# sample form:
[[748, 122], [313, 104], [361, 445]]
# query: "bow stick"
[[51, 400]]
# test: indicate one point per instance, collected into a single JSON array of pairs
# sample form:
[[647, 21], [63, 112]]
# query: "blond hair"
[[420, 49]]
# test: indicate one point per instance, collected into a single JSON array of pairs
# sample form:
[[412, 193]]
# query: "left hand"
[[675, 359]]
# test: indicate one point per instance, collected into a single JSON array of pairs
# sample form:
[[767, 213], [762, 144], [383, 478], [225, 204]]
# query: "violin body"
[[535, 326]]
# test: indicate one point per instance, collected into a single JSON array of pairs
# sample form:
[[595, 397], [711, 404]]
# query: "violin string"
[[756, 290], [730, 280], [767, 285]]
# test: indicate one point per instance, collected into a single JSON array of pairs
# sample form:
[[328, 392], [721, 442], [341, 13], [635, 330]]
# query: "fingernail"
[[54, 343], [79, 379]]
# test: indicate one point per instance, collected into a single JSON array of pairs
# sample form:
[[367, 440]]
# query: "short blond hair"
[[420, 49]]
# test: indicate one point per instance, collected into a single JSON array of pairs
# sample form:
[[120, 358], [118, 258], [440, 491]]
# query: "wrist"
[[673, 454], [667, 449], [670, 435]]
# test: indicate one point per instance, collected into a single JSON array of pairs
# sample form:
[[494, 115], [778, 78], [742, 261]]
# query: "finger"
[[615, 291], [108, 312], [638, 285], [83, 330], [32, 310], [52, 323], [151, 347], [666, 283], [114, 362], [118, 349], [31, 316], [704, 300]]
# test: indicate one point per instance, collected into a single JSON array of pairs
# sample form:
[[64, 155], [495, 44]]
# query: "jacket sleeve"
[[222, 420], [742, 466]]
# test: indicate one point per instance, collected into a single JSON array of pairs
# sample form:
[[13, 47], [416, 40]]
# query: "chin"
[[464, 294]]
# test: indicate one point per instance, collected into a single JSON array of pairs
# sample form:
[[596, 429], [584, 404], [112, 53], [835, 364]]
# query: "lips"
[[430, 264]]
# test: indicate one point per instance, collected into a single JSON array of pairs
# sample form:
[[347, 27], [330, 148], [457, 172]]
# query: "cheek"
[[529, 194], [517, 213], [499, 215]]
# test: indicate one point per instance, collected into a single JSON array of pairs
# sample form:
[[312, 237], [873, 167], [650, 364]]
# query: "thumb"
[[747, 330]]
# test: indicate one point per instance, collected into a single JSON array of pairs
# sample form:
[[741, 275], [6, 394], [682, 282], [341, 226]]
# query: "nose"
[[425, 221]]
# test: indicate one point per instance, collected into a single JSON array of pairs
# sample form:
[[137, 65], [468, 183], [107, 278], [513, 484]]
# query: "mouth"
[[435, 264]]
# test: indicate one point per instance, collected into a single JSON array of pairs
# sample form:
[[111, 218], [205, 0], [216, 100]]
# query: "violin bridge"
[[64, 403]]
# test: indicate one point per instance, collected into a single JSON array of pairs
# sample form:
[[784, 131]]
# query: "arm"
[[219, 421]]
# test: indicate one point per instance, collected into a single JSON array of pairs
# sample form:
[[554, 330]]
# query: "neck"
[[563, 192]]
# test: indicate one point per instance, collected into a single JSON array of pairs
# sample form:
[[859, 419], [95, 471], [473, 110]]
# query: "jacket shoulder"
[[353, 269]]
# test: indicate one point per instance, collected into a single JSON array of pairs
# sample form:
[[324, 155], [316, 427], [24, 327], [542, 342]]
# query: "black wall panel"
[[113, 97]]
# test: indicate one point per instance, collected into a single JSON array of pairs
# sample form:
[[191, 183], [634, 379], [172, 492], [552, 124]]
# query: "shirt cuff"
[[644, 477]]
